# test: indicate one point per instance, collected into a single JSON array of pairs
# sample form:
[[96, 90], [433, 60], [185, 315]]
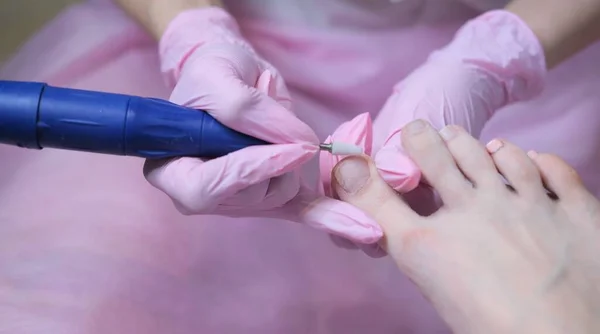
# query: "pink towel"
[[87, 246]]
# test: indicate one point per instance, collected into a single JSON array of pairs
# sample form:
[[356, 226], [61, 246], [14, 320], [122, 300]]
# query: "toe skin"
[[427, 149], [471, 157], [582, 207], [558, 176], [517, 168]]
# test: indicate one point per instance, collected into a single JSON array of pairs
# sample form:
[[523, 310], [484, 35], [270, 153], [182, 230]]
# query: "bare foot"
[[491, 260]]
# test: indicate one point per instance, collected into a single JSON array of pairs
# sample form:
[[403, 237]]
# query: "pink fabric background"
[[86, 246]]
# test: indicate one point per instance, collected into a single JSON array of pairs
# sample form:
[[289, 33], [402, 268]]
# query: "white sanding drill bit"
[[339, 148]]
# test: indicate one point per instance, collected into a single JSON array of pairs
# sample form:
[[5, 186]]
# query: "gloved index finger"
[[241, 107]]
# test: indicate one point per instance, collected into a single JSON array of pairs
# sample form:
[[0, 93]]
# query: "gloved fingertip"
[[356, 228], [397, 169], [373, 250], [358, 131], [155, 171], [400, 182], [341, 219], [369, 234]]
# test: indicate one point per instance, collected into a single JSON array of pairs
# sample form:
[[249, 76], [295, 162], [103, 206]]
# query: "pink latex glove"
[[493, 60], [214, 69]]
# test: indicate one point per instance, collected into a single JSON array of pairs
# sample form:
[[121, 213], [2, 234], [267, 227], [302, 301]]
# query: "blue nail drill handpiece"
[[36, 115]]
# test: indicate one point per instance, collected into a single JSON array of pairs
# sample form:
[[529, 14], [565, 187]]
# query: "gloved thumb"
[[357, 181]]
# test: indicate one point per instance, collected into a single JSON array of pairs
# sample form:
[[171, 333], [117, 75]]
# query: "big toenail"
[[352, 174], [532, 154], [448, 132], [494, 146], [415, 127]]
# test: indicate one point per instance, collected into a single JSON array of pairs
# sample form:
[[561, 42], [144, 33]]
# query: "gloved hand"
[[493, 60], [214, 69]]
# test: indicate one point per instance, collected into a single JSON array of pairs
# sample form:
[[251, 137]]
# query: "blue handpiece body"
[[35, 115]]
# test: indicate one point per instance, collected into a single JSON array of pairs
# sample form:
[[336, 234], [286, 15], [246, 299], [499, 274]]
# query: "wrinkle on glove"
[[212, 68], [103, 253], [494, 60]]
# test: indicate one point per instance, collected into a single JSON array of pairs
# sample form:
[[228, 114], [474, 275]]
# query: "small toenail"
[[532, 154], [494, 146], [448, 132], [415, 127]]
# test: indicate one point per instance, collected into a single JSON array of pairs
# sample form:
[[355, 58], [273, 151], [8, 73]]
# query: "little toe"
[[471, 157], [429, 152], [559, 177], [517, 168]]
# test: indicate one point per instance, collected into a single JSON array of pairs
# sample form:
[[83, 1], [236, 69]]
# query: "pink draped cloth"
[[87, 246]]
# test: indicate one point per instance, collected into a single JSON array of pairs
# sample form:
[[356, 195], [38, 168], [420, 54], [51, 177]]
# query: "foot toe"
[[558, 176], [429, 152], [517, 168], [471, 157]]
